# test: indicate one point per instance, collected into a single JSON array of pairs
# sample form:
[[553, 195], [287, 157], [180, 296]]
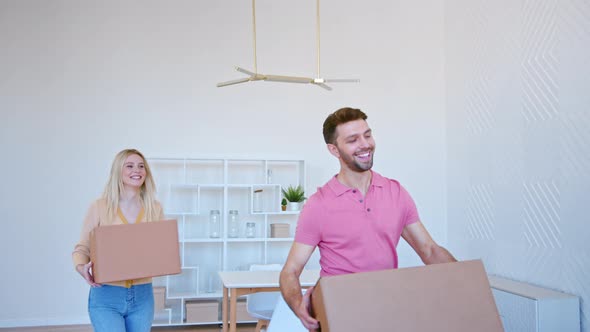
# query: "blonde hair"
[[114, 187]]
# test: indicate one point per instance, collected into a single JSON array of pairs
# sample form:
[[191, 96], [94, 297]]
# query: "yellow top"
[[96, 216]]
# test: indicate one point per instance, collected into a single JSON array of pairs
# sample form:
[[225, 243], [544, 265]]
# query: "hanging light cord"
[[254, 33], [318, 33]]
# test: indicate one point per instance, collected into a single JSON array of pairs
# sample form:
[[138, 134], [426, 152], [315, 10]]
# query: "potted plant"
[[284, 204], [294, 196]]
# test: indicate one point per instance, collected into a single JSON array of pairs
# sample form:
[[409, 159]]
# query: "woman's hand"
[[84, 270]]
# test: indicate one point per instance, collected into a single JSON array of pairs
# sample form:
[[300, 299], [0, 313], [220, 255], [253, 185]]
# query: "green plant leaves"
[[294, 194]]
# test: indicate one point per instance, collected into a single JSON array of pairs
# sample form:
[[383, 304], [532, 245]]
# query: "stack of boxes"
[[279, 230]]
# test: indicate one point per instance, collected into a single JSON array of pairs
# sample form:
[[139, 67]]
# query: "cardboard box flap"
[[133, 251], [441, 297]]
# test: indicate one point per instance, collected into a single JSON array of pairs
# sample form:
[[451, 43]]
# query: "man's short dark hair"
[[341, 116]]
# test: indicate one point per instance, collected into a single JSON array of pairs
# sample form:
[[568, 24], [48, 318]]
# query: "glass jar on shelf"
[[233, 224], [257, 201], [214, 224], [250, 229]]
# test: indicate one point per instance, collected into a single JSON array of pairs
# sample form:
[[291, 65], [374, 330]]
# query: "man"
[[356, 219]]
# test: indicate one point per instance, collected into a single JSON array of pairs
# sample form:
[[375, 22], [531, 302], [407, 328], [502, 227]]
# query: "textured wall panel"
[[575, 143], [539, 60], [541, 214], [480, 212], [576, 274], [518, 117]]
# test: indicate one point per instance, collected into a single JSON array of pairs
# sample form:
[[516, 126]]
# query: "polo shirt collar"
[[338, 188]]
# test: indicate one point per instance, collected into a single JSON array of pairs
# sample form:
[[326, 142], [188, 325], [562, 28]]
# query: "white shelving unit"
[[188, 190]]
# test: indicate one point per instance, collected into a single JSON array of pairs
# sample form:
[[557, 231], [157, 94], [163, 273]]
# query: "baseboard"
[[83, 320]]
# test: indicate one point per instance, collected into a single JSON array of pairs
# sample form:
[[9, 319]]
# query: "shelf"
[[239, 186], [280, 239], [180, 214], [184, 186], [191, 296], [243, 239], [205, 296], [211, 186], [203, 240], [189, 188], [163, 317], [276, 213], [171, 213]]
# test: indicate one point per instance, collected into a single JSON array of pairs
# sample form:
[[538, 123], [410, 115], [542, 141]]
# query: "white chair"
[[261, 305], [284, 320]]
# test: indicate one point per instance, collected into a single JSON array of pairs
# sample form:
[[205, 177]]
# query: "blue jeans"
[[120, 309]]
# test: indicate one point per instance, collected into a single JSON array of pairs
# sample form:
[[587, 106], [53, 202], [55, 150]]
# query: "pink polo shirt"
[[356, 233]]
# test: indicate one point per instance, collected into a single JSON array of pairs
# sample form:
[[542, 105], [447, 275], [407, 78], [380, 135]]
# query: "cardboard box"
[[159, 298], [279, 230], [451, 297], [202, 311], [132, 251]]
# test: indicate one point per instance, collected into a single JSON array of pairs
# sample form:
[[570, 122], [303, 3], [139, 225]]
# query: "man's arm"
[[429, 251], [291, 287]]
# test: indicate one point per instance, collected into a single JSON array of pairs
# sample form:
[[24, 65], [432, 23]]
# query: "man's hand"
[[291, 288], [304, 312]]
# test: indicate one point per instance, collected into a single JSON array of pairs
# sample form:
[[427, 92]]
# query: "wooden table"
[[238, 283]]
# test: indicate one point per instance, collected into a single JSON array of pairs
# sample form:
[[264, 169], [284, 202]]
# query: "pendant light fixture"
[[256, 76]]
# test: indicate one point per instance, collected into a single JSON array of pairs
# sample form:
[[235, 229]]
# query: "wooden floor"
[[88, 328]]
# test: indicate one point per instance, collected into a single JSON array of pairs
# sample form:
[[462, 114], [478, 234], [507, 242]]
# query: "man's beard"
[[355, 165]]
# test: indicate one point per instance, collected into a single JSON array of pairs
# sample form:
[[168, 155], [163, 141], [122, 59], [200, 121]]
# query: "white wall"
[[81, 80], [518, 99]]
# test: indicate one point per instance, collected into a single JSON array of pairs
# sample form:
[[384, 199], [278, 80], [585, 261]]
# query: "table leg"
[[224, 309], [233, 305]]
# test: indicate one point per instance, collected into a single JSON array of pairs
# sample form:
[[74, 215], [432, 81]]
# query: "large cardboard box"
[[453, 297], [132, 251]]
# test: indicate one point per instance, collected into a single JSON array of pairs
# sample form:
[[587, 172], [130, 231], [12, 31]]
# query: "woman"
[[129, 197]]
